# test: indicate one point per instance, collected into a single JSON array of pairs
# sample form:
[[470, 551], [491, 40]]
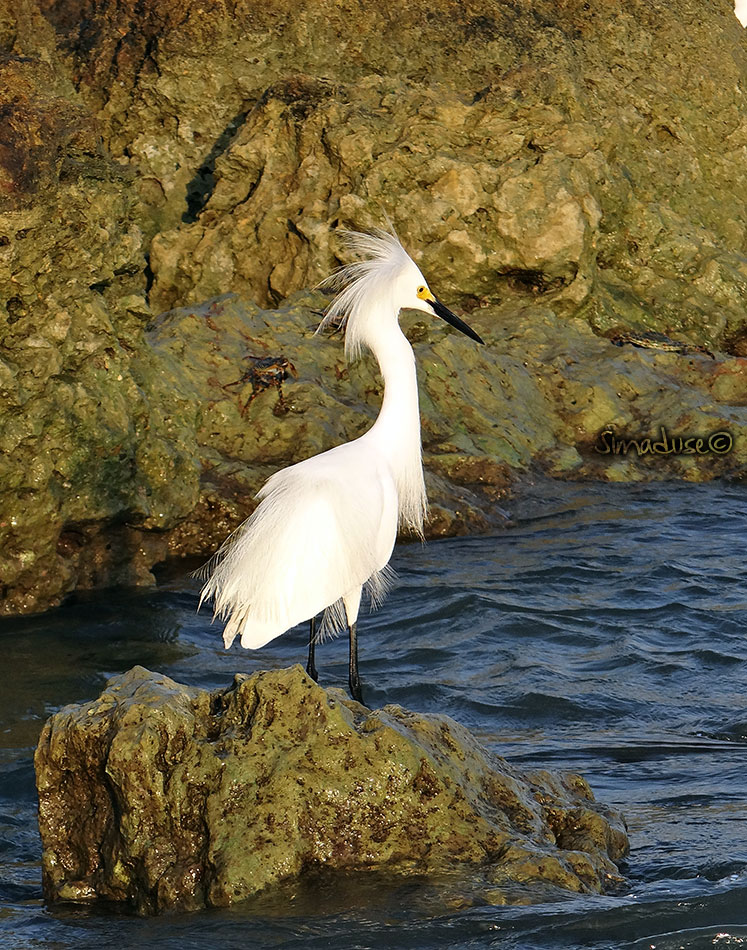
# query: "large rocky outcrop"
[[557, 169], [589, 154], [485, 211], [71, 315], [165, 796]]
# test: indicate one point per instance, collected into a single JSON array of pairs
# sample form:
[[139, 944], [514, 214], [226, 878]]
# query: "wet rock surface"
[[165, 796], [560, 175], [72, 302], [548, 149], [532, 394]]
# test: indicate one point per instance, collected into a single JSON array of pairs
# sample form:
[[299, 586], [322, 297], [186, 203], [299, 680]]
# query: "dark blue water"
[[605, 632]]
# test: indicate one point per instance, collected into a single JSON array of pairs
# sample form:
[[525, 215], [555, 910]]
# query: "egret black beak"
[[453, 320]]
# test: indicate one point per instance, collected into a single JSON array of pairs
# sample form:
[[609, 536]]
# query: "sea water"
[[604, 631]]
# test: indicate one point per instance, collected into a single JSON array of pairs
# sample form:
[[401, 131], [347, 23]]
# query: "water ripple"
[[603, 632]]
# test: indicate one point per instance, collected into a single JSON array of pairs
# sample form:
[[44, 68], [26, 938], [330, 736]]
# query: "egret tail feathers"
[[234, 626], [336, 618], [256, 633]]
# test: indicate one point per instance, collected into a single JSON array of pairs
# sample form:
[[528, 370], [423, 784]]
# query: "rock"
[[474, 223], [529, 149], [542, 388], [162, 155], [71, 255], [164, 796], [206, 438]]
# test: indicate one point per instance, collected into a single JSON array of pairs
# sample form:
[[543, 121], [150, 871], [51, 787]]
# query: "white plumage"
[[296, 556], [325, 528]]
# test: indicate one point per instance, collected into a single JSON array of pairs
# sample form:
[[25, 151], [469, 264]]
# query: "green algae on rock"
[[71, 313], [527, 149], [541, 390], [502, 142], [204, 438], [161, 153], [165, 796], [477, 219]]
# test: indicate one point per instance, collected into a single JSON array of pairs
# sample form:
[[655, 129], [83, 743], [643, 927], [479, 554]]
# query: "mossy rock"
[[164, 796]]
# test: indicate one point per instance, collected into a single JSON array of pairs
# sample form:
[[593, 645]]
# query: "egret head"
[[386, 281]]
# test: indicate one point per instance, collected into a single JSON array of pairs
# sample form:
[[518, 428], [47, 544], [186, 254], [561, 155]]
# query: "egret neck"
[[397, 428]]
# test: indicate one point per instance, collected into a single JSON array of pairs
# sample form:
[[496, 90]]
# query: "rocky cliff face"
[[561, 172], [584, 153], [166, 797], [72, 259]]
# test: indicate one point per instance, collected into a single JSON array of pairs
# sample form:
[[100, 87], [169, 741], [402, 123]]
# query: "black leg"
[[354, 679], [311, 666]]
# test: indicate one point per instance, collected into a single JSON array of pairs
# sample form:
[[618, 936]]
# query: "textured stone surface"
[[553, 167], [541, 388], [207, 435], [308, 148], [165, 796], [586, 153], [71, 315]]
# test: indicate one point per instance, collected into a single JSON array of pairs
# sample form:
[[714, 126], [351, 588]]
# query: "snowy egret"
[[325, 528]]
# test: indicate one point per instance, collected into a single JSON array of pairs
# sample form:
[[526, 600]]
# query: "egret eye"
[[421, 291]]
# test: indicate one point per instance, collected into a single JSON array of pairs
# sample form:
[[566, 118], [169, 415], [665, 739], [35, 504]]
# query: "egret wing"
[[323, 528]]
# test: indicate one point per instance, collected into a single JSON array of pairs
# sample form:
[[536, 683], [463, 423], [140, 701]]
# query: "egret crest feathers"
[[366, 285]]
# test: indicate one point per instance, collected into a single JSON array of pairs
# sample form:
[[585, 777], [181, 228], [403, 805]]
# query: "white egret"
[[325, 528]]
